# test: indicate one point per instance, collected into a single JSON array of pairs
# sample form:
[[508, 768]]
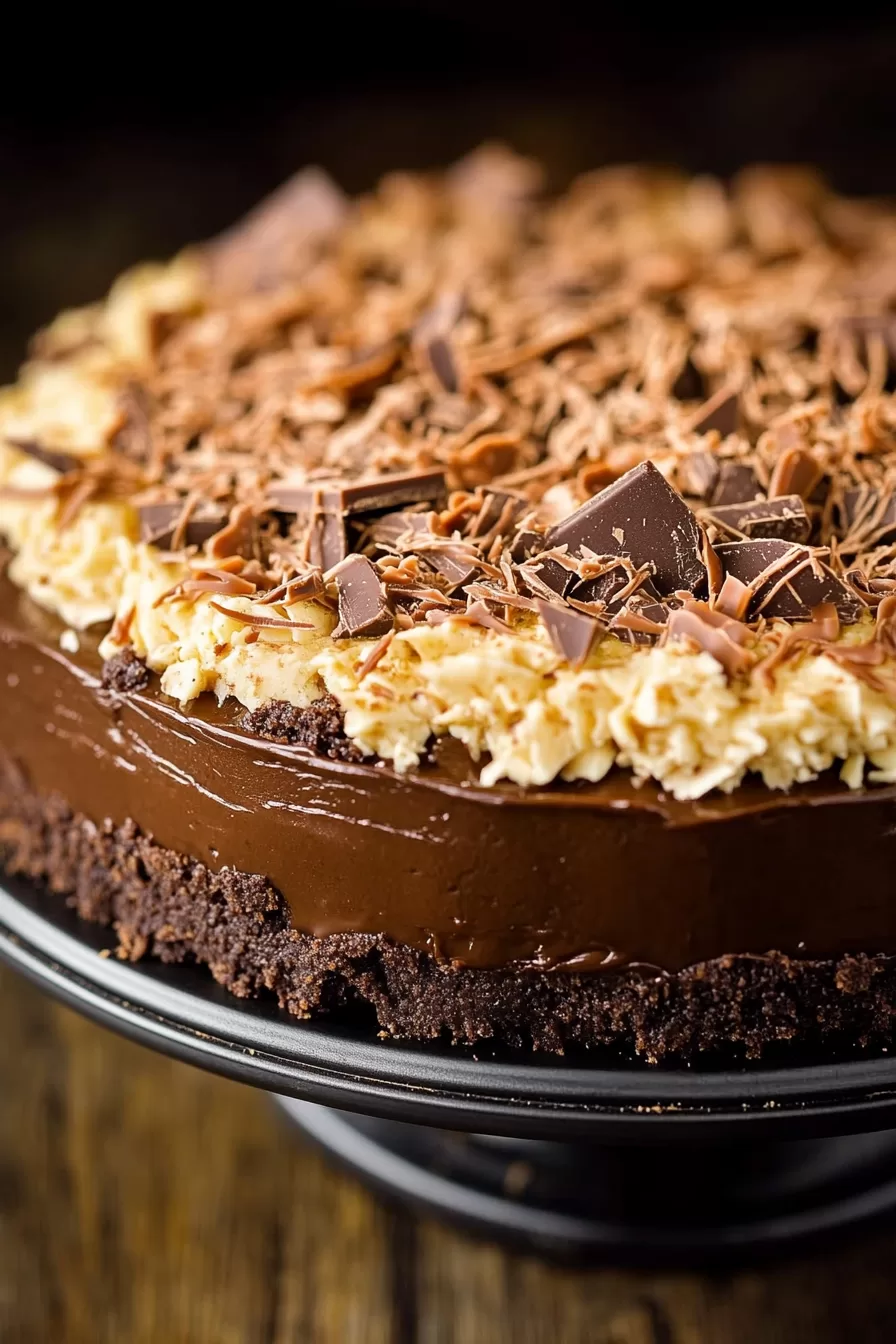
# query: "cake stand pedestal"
[[574, 1159]]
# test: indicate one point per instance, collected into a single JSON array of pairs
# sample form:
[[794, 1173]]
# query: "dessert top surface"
[[592, 481]]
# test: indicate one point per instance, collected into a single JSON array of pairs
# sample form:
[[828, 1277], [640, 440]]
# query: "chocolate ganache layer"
[[585, 877]]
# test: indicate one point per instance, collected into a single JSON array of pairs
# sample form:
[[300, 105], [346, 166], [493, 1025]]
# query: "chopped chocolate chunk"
[[363, 610], [268, 245], [159, 523], [642, 517], [787, 580], [392, 528], [868, 517], [572, 633], [737, 484], [455, 567], [526, 543], [784, 517], [719, 413], [50, 457], [125, 672], [320, 727], [796, 472], [698, 474], [326, 543]]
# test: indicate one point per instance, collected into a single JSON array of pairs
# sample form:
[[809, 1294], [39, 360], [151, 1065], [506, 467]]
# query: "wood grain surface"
[[145, 1202]]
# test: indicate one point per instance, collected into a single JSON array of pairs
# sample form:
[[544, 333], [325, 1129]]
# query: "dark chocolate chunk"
[[572, 633], [158, 523], [868, 516], [352, 497], [698, 474], [719, 413], [784, 517], [50, 457], [363, 610], [786, 580], [526, 544], [737, 484], [639, 516]]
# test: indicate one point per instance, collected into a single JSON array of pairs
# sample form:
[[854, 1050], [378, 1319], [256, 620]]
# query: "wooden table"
[[144, 1202]]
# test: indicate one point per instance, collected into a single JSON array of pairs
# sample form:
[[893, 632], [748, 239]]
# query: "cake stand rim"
[[532, 1096]]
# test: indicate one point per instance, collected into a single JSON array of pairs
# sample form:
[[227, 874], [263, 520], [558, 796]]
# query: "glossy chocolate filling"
[[581, 877]]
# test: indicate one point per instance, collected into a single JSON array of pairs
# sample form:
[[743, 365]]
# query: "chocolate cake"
[[476, 610]]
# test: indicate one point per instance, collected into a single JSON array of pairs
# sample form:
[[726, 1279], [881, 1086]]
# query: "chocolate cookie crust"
[[167, 905]]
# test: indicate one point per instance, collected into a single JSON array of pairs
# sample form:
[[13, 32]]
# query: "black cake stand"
[[572, 1158]]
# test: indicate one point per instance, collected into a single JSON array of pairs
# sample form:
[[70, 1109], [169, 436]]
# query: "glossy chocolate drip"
[[587, 876]]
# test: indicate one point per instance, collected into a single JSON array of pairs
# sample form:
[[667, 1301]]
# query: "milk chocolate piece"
[[158, 523], [326, 542], [737, 484], [784, 517], [455, 567], [353, 497], [363, 610], [639, 516], [786, 580], [572, 633]]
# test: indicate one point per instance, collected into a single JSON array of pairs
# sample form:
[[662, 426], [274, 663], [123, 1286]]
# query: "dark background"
[[129, 141]]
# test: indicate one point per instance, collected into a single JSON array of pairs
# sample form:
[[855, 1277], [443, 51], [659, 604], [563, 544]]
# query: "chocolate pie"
[[474, 611]]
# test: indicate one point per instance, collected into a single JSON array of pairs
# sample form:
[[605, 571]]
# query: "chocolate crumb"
[[125, 672], [320, 727]]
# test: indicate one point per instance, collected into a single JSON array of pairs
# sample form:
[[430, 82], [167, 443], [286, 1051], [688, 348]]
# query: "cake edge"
[[170, 906]]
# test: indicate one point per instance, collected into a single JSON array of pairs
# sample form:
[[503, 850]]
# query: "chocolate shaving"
[[50, 457], [255, 619], [714, 633], [796, 472], [160, 524]]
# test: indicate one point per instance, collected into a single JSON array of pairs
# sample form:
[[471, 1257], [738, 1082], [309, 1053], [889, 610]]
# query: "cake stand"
[[573, 1158]]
